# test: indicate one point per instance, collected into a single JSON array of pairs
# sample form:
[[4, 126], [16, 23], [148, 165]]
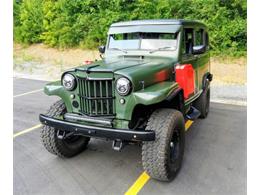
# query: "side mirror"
[[198, 49], [102, 49]]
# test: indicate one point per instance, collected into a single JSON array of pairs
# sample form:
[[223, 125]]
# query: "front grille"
[[96, 97]]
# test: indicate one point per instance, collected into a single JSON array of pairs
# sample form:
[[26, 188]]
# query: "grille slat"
[[113, 106], [89, 102], [96, 97], [86, 93], [107, 96], [101, 96]]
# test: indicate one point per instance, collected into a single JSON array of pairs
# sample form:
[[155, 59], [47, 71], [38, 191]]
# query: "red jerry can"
[[185, 77]]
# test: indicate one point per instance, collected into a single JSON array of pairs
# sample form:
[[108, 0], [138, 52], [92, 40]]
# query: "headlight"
[[69, 82], [123, 86]]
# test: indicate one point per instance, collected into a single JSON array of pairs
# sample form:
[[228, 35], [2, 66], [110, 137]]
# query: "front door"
[[187, 57]]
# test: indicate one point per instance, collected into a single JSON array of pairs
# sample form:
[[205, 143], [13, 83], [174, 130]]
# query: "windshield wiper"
[[160, 49], [115, 48]]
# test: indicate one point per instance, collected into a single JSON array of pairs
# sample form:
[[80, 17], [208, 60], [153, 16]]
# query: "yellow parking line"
[[27, 130], [138, 185], [188, 124], [30, 92], [144, 177]]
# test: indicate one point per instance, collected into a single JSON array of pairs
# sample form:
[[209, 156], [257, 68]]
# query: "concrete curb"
[[229, 101]]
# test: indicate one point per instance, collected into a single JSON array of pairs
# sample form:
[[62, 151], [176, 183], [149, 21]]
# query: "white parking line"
[[27, 93]]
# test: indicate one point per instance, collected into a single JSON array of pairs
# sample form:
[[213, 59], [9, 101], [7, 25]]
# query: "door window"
[[188, 40]]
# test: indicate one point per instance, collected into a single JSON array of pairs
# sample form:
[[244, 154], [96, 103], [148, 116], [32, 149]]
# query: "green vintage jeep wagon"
[[154, 75]]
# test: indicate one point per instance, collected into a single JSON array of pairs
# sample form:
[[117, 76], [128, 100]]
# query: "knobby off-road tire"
[[203, 102], [67, 147], [162, 158]]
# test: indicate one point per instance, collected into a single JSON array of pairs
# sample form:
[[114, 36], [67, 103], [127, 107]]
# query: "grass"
[[226, 70]]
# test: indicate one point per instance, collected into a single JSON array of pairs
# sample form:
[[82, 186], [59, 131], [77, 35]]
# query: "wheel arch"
[[174, 101], [207, 76]]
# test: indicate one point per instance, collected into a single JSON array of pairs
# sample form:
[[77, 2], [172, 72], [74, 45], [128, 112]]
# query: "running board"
[[193, 113]]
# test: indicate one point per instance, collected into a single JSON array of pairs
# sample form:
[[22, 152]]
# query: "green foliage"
[[28, 19], [84, 23]]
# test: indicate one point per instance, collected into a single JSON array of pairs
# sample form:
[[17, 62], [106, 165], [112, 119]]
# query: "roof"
[[158, 22]]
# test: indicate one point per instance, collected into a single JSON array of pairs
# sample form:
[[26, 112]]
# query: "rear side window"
[[207, 40], [199, 37]]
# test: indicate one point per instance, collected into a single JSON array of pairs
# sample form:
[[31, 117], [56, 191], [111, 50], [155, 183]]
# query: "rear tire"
[[203, 102], [67, 147], [162, 158]]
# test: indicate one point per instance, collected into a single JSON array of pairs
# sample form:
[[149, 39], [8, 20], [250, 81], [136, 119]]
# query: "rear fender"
[[208, 76]]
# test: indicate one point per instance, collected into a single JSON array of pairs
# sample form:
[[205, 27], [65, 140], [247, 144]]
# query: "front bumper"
[[102, 132]]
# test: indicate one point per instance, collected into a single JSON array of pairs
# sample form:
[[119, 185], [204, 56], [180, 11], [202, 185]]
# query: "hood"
[[142, 71]]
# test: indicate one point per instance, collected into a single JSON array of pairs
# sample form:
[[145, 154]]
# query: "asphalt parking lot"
[[214, 161]]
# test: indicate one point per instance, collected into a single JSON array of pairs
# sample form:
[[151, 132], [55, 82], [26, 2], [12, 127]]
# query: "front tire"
[[162, 158], [67, 147]]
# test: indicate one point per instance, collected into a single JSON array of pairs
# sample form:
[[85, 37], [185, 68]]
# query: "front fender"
[[151, 95], [155, 93], [55, 88]]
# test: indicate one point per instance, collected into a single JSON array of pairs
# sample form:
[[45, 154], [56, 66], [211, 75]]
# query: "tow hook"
[[118, 145], [63, 134]]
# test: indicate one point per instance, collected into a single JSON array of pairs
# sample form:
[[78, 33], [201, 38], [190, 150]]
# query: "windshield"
[[143, 41]]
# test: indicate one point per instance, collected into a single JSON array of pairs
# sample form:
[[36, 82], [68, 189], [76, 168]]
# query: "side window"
[[207, 40], [188, 40], [199, 37]]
